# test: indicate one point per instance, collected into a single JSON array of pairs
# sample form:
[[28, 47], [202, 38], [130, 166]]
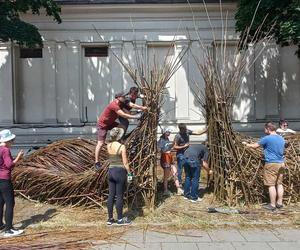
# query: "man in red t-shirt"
[[130, 99], [107, 121]]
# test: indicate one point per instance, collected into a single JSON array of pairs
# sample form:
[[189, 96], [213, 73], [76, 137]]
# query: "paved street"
[[225, 239]]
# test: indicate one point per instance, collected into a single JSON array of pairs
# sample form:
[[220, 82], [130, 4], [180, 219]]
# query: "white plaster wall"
[[65, 88]]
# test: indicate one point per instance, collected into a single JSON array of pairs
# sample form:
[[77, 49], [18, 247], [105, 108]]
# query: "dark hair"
[[181, 126], [282, 121], [133, 90], [271, 126]]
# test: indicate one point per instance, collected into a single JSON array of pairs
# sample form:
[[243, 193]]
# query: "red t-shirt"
[[6, 163], [109, 114]]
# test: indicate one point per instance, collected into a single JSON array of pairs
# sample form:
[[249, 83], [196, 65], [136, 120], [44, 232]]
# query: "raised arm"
[[136, 106], [251, 145], [199, 131], [121, 113]]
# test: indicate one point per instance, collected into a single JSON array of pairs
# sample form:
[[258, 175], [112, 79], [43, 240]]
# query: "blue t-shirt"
[[164, 145], [197, 152], [273, 148], [181, 139]]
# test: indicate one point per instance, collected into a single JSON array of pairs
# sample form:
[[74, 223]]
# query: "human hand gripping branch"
[[251, 145]]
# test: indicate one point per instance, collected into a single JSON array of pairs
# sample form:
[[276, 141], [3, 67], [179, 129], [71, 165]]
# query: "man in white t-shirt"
[[283, 128]]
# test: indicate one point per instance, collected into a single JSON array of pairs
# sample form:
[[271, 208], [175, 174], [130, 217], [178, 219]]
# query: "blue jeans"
[[192, 170], [180, 162]]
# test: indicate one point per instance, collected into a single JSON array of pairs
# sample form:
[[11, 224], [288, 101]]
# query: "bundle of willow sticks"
[[63, 172], [238, 171]]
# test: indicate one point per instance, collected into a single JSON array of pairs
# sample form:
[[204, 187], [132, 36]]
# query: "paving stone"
[[251, 245], [137, 236], [148, 246], [258, 235], [215, 246], [179, 246], [287, 234], [226, 235], [285, 245], [160, 237], [193, 236], [109, 247]]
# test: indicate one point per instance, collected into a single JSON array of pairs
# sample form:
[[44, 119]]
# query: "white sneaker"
[[12, 233], [20, 231], [167, 193], [197, 200], [180, 191]]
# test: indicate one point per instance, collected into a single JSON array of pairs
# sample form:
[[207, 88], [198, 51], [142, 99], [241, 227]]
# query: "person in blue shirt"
[[181, 143], [273, 146], [195, 157]]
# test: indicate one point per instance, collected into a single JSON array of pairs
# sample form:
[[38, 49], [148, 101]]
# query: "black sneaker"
[[124, 222], [110, 222], [269, 207], [2, 227], [279, 206], [97, 166]]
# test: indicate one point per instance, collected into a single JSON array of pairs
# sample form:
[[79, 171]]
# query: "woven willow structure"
[[237, 170], [63, 172]]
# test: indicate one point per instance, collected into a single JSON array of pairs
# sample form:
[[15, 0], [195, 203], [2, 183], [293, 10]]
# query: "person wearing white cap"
[[167, 161], [6, 187]]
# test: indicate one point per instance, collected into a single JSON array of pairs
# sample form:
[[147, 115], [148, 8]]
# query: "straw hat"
[[116, 134], [6, 135]]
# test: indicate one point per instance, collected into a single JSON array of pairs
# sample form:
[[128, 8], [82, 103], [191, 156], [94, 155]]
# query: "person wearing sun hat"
[[167, 161], [6, 187], [117, 176]]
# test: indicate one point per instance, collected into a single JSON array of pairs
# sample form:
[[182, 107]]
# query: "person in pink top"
[[6, 187]]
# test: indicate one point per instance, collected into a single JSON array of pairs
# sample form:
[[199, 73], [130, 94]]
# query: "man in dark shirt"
[[181, 143], [107, 121], [130, 99], [195, 156]]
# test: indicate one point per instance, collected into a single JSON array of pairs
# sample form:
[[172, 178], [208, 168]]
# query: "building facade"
[[59, 90]]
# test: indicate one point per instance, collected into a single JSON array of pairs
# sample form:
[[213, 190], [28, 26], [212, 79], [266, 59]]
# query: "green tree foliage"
[[14, 29], [283, 15]]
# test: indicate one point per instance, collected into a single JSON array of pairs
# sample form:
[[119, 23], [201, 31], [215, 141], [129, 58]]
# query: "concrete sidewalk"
[[225, 239]]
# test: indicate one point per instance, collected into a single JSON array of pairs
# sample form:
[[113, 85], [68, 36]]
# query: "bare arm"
[[206, 167], [199, 131], [251, 145], [124, 158], [136, 106], [121, 113], [19, 156], [177, 147]]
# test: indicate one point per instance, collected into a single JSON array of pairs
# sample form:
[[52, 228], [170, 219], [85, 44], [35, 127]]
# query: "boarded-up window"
[[31, 53], [100, 51]]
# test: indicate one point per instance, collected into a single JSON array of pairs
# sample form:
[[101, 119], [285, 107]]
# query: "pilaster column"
[[117, 83], [49, 87], [73, 81], [181, 83], [6, 84]]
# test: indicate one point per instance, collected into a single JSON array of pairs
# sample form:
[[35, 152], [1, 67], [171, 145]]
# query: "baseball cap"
[[119, 94]]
